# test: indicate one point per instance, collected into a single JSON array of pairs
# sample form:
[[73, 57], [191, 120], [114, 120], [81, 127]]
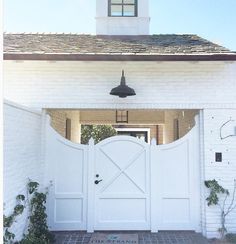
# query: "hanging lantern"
[[123, 90]]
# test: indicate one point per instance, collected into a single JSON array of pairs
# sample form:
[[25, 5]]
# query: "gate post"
[[90, 201], [154, 186]]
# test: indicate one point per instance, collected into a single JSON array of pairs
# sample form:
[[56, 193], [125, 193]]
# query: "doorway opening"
[[165, 126]]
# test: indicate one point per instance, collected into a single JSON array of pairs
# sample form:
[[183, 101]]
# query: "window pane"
[[122, 116], [129, 10], [116, 10], [129, 1], [116, 1]]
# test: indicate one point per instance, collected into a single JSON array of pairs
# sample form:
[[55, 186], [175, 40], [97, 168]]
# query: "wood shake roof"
[[92, 47]]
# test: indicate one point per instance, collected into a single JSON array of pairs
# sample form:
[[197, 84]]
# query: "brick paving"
[[162, 237]]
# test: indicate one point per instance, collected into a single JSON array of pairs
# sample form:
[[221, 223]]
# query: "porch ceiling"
[[109, 116]]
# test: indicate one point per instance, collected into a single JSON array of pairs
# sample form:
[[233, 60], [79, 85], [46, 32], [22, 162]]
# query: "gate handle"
[[97, 181]]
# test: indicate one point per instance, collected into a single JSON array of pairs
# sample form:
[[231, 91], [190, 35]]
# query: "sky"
[[214, 20]]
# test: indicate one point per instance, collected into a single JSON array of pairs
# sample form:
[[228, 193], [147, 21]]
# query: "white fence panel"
[[67, 170], [176, 184]]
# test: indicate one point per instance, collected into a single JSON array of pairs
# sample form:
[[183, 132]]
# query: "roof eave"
[[119, 57]]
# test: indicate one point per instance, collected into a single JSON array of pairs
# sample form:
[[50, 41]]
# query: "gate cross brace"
[[122, 170]]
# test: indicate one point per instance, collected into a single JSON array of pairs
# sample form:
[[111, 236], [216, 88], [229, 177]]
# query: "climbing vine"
[[217, 191], [37, 231], [8, 236]]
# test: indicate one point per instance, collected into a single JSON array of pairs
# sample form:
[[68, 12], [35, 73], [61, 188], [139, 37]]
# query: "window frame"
[[133, 131], [110, 4], [122, 116]]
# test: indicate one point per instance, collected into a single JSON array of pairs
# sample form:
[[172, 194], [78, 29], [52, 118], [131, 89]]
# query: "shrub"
[[97, 132]]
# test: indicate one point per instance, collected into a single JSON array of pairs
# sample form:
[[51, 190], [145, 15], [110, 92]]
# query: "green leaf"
[[215, 189], [20, 198], [8, 221], [32, 187], [18, 209], [9, 235]]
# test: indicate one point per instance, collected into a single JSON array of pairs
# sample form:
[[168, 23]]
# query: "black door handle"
[[97, 181]]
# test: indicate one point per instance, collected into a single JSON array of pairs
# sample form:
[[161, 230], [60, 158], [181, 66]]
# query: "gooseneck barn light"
[[123, 90]]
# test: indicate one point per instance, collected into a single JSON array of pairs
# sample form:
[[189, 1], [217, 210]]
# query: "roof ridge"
[[91, 34], [45, 33]]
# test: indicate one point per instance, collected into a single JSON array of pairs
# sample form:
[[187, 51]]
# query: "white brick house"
[[68, 76]]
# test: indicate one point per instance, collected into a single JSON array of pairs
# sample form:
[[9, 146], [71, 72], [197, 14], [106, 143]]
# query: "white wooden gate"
[[123, 183], [122, 198]]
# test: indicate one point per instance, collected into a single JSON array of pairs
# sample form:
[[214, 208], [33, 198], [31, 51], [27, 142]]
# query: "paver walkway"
[[162, 237]]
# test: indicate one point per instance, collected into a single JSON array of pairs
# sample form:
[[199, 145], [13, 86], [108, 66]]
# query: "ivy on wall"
[[217, 192], [9, 236], [37, 231]]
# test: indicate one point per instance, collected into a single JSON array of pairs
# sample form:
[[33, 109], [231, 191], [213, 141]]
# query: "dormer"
[[122, 17]]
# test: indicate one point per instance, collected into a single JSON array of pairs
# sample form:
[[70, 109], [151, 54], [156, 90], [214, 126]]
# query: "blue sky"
[[212, 19]]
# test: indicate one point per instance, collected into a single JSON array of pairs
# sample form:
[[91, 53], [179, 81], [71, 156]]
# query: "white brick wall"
[[87, 84], [165, 85], [22, 156], [224, 172]]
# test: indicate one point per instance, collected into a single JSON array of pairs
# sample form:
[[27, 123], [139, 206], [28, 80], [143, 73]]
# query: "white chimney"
[[122, 17]]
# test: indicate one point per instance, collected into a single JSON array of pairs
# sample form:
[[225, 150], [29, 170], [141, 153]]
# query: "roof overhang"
[[119, 57]]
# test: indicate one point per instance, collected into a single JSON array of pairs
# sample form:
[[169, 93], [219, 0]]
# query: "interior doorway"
[[140, 133], [165, 126]]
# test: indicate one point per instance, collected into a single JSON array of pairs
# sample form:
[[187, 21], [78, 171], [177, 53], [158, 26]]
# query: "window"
[[122, 8], [121, 116], [140, 133]]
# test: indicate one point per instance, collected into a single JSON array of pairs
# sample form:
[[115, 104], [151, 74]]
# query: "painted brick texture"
[[224, 172], [22, 157], [87, 84]]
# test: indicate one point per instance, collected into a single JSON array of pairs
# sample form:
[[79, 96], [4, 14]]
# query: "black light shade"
[[122, 90]]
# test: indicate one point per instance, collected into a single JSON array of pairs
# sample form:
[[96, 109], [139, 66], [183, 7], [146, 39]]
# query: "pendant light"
[[123, 90]]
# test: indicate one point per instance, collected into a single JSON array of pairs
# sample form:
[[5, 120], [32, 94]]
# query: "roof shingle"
[[109, 45]]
